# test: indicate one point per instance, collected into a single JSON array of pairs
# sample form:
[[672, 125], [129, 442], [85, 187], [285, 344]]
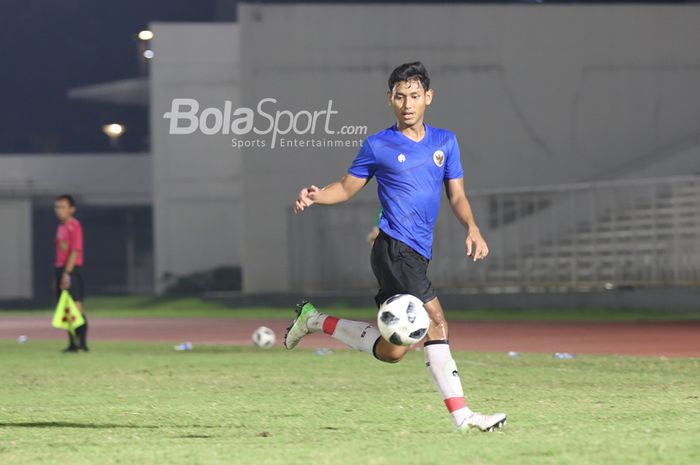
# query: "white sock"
[[442, 369], [356, 334]]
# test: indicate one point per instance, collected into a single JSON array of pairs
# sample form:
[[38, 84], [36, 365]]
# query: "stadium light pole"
[[144, 49]]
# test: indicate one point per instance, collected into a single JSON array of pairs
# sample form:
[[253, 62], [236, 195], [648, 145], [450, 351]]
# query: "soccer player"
[[411, 161], [68, 264]]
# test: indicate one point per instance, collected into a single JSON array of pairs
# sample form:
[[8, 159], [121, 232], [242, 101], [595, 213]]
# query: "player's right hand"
[[307, 197], [372, 236], [65, 282]]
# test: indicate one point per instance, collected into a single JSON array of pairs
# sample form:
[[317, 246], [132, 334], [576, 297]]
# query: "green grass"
[[147, 404], [151, 307]]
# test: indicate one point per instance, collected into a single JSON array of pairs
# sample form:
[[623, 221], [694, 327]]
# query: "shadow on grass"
[[69, 424]]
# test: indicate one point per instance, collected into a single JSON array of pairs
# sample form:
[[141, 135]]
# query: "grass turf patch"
[[191, 307], [146, 404]]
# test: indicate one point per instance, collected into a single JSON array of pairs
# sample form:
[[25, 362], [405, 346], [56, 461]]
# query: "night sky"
[[50, 46]]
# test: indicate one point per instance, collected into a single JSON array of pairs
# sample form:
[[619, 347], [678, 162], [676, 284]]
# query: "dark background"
[[50, 46]]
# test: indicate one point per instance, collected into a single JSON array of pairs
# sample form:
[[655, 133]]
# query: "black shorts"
[[76, 290], [399, 270]]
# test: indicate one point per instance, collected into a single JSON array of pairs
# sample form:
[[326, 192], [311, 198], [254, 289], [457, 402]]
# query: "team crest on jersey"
[[439, 158], [401, 158]]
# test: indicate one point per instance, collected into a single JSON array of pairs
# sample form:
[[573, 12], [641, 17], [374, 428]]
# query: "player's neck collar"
[[426, 129]]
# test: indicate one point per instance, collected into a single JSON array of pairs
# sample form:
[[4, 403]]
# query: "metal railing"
[[624, 233]]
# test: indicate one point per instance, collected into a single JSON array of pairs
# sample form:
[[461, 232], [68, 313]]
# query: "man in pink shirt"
[[68, 264]]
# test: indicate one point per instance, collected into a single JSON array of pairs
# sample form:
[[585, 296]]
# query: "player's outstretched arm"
[[475, 244], [337, 192]]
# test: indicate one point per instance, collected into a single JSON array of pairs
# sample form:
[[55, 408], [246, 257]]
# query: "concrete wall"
[[196, 199], [95, 178], [537, 95], [15, 248]]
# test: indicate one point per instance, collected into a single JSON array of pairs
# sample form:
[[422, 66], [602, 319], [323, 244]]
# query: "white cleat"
[[486, 423], [299, 327]]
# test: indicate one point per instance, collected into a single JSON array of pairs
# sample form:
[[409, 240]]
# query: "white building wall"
[[94, 178], [15, 248], [196, 177], [536, 95]]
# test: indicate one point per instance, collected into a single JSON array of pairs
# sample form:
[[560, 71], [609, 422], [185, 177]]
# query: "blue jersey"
[[409, 176]]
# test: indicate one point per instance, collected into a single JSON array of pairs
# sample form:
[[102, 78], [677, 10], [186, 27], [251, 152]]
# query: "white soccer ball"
[[402, 320], [264, 337]]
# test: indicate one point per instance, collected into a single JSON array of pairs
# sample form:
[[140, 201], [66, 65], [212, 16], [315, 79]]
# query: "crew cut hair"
[[414, 71]]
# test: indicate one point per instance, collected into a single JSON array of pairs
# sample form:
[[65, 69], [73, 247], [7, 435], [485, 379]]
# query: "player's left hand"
[[65, 281], [476, 245]]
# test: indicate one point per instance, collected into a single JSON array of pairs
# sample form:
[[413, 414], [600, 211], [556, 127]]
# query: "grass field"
[[163, 307], [147, 404]]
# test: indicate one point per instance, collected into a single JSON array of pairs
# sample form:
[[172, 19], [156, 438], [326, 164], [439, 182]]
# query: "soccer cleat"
[[299, 327], [486, 423]]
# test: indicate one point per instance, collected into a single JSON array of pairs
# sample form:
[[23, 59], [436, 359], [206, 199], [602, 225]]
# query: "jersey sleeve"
[[364, 164], [76, 237], [453, 164]]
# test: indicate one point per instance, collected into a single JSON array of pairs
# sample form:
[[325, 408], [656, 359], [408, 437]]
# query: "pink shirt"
[[69, 237]]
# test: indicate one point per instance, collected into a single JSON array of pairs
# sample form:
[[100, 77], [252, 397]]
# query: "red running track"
[[669, 339]]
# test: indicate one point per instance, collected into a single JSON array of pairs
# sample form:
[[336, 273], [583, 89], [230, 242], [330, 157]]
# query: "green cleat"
[[300, 327]]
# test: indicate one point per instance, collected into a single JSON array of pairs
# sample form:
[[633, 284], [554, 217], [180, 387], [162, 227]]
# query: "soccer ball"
[[402, 320], [264, 337]]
